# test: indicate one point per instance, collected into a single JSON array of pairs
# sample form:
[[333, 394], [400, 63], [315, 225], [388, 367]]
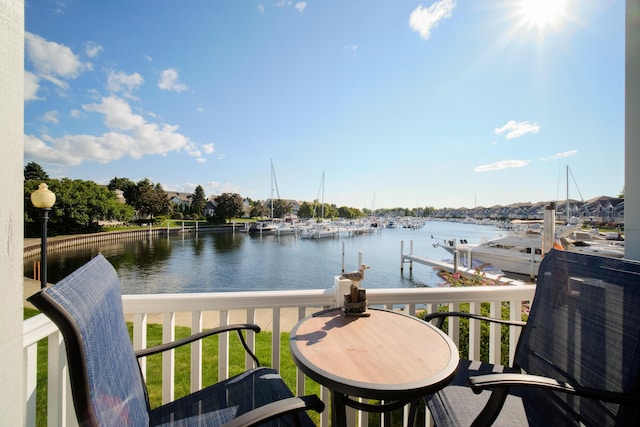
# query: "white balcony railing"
[[275, 311]]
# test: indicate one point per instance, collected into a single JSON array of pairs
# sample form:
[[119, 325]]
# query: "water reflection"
[[221, 262]]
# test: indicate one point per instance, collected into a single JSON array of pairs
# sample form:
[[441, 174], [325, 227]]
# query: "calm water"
[[220, 262]]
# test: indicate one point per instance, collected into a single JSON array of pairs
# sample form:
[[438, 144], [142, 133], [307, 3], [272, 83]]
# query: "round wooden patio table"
[[387, 356]]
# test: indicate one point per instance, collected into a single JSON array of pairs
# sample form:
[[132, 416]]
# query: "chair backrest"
[[107, 387], [584, 328]]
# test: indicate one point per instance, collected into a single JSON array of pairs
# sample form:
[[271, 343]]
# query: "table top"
[[388, 355]]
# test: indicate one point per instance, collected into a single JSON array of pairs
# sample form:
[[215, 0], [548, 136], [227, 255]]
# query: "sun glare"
[[541, 14]]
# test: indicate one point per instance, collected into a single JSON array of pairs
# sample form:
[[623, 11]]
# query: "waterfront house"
[[598, 209]]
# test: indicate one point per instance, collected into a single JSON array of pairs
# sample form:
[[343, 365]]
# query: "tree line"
[[81, 205]]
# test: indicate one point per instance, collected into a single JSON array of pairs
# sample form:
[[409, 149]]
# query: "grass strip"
[[287, 367]]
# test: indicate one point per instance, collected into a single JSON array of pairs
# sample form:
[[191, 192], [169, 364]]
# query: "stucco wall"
[[12, 395]]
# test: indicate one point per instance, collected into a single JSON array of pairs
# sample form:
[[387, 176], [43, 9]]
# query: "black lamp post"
[[43, 199]]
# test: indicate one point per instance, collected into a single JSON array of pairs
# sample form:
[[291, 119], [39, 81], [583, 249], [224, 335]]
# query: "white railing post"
[[223, 348], [251, 339], [495, 311], [140, 339], [55, 389], [275, 339], [168, 357], [515, 313], [30, 381], [279, 304], [474, 333], [196, 352]]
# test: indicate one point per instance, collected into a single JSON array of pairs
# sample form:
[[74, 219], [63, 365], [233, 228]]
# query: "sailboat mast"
[[271, 188], [322, 210], [567, 194]]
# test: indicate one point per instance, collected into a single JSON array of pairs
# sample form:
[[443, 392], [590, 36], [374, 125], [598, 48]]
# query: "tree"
[[151, 200], [349, 213], [326, 210], [198, 201], [305, 211], [33, 171], [281, 208], [78, 208], [258, 210], [228, 205], [127, 187]]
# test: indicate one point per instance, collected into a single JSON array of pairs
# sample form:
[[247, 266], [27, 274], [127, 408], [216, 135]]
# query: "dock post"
[[411, 252], [455, 260], [401, 256]]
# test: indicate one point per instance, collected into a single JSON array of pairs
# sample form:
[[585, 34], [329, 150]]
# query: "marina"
[[235, 261]]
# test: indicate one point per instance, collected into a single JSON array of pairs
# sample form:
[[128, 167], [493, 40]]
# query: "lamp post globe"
[[43, 199]]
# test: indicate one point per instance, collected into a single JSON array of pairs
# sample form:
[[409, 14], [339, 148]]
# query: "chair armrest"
[[277, 409], [491, 381], [200, 335], [440, 316]]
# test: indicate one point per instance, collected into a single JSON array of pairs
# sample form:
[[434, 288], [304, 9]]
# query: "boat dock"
[[451, 267]]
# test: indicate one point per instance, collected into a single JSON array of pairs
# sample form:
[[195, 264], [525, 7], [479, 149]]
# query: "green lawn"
[[182, 364], [236, 356]]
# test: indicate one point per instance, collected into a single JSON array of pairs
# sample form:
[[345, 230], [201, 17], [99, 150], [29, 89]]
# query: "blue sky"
[[396, 103]]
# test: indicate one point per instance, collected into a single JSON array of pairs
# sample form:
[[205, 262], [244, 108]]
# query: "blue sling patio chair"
[[106, 381], [577, 361]]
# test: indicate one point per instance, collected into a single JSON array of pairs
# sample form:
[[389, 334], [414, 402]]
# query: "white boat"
[[284, 228], [595, 243], [266, 228], [522, 254], [511, 254], [263, 228], [319, 231]]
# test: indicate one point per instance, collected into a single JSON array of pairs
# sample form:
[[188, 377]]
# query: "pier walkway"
[[451, 267]]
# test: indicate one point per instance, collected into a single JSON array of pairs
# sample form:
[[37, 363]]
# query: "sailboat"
[[320, 230], [273, 226]]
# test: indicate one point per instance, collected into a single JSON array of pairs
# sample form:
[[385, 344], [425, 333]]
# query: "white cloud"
[[298, 6], [31, 86], [50, 117], [52, 59], [352, 48], [169, 81], [424, 20], [92, 49], [117, 113], [208, 148], [194, 153], [201, 160], [212, 188], [57, 82], [117, 82], [153, 138], [260, 8], [505, 164], [133, 137], [515, 130], [75, 113], [561, 155]]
